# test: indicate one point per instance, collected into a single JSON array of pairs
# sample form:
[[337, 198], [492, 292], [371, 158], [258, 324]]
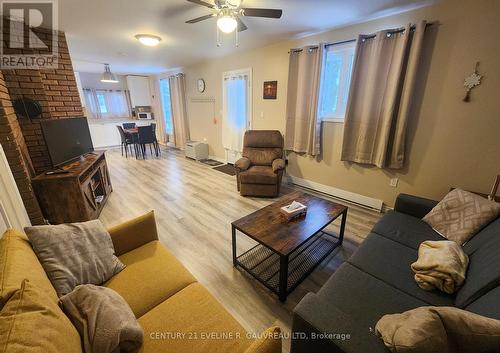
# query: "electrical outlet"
[[394, 182], [205, 139]]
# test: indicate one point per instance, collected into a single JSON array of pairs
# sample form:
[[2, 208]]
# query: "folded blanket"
[[441, 265], [439, 330], [104, 320]]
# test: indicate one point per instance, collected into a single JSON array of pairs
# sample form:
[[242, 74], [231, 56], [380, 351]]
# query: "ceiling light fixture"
[[107, 76], [148, 39], [227, 23]]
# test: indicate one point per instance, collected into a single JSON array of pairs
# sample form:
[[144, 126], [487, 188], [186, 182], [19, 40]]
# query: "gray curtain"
[[303, 127], [380, 96], [179, 115]]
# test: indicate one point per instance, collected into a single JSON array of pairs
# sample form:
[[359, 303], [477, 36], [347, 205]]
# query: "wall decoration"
[[494, 189], [27, 108], [201, 85], [472, 81], [270, 89]]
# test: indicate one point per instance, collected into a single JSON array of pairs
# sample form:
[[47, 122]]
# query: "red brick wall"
[[22, 139], [57, 93], [13, 144]]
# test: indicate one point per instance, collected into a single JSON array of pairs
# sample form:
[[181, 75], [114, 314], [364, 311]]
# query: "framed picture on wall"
[[270, 89]]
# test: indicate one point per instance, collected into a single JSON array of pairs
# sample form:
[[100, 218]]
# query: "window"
[[335, 81], [166, 105], [108, 104]]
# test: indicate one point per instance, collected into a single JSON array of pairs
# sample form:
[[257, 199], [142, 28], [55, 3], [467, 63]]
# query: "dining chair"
[[128, 125], [146, 137], [153, 125], [126, 141]]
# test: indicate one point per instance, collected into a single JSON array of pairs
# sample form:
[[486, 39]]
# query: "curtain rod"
[[175, 75], [369, 36]]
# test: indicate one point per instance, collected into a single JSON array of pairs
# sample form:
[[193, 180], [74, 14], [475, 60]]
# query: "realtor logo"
[[29, 35]]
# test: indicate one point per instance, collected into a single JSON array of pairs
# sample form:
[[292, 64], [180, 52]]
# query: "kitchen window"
[[335, 81], [108, 104]]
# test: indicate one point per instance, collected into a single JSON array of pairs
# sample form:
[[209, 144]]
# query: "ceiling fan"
[[229, 13]]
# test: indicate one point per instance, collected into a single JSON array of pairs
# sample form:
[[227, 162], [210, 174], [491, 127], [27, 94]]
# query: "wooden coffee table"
[[288, 251]]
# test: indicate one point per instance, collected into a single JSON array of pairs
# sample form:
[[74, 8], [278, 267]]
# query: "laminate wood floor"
[[194, 207]]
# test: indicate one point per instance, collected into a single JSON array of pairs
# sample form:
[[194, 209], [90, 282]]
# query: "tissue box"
[[295, 213]]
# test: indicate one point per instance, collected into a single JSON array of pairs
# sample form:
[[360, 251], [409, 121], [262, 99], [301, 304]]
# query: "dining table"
[[132, 131]]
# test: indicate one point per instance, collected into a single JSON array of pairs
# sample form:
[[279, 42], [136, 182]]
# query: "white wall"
[[12, 211]]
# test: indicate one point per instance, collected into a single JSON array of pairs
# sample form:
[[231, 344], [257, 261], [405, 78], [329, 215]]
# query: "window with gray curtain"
[[380, 97], [303, 126]]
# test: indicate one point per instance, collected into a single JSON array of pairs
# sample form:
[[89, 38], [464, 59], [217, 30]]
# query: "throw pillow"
[[268, 342], [461, 214], [438, 330], [76, 253], [104, 320], [32, 322]]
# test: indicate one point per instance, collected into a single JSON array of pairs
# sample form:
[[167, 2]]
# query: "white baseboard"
[[366, 201]]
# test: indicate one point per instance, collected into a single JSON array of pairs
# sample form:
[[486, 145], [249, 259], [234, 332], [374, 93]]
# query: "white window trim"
[[338, 119]]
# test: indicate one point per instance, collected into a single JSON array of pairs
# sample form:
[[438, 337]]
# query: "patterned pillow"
[[461, 214]]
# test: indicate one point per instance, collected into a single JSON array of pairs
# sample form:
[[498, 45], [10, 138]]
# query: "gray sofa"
[[377, 280]]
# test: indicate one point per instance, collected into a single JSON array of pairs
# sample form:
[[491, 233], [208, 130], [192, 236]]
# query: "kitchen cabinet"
[[140, 91]]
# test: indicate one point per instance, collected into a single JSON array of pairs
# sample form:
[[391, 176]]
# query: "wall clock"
[[201, 85]]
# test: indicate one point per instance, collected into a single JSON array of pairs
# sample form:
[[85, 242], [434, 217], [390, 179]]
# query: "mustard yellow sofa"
[[176, 312]]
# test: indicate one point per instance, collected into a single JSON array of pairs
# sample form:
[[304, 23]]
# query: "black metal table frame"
[[283, 291]]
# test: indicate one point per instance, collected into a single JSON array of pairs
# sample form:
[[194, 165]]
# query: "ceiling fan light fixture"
[[148, 40], [107, 76], [227, 23]]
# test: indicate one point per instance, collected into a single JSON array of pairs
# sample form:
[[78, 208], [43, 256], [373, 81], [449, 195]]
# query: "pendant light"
[[107, 76]]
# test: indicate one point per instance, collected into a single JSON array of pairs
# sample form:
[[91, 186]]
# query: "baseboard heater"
[[361, 200]]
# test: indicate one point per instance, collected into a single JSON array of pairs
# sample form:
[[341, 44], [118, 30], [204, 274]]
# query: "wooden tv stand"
[[79, 194]]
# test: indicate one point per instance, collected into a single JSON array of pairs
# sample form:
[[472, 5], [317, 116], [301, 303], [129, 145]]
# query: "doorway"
[[236, 111]]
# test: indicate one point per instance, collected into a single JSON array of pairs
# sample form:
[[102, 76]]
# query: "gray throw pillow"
[[461, 214], [75, 253], [104, 320]]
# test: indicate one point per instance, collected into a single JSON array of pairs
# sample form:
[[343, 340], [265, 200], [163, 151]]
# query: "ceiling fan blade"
[[269, 13], [241, 25], [199, 19], [202, 3]]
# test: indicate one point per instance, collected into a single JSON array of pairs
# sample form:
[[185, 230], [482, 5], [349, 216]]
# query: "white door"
[[236, 111], [12, 211]]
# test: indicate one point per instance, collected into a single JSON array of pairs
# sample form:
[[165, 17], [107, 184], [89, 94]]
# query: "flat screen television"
[[67, 139]]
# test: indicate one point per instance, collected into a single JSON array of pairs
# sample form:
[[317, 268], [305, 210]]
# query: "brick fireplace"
[[22, 139]]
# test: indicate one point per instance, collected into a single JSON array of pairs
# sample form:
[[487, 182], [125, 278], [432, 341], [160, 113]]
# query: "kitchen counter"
[[104, 132]]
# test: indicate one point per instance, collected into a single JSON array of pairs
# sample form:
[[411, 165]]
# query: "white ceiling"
[[101, 31]]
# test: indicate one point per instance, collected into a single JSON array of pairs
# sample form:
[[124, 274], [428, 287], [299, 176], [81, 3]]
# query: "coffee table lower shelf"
[[264, 264]]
